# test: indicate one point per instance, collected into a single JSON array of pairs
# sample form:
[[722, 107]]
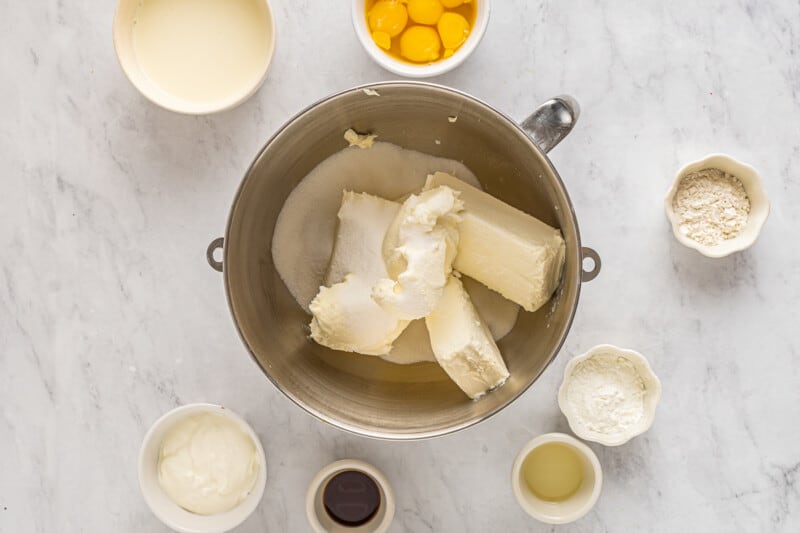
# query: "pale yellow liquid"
[[202, 50], [553, 472]]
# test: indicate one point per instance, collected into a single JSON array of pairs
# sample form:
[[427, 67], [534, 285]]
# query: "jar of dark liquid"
[[350, 495]]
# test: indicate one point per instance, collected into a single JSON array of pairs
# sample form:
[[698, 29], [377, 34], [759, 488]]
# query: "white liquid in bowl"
[[203, 51]]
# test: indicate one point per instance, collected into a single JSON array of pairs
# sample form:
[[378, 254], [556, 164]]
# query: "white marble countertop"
[[110, 316]]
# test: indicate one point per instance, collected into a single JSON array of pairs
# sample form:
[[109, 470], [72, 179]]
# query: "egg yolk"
[[382, 39], [420, 31], [453, 29], [420, 44], [389, 17], [425, 11]]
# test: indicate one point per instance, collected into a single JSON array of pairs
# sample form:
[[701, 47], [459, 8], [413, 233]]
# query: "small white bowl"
[[122, 30], [410, 70], [168, 511], [574, 507], [753, 186], [651, 397], [315, 508]]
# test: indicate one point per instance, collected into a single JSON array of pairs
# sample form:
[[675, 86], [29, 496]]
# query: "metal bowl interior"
[[364, 394]]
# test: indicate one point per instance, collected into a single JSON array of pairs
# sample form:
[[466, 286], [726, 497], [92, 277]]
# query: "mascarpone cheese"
[[419, 249]]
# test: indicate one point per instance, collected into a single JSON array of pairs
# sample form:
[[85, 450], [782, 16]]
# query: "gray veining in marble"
[[109, 314]]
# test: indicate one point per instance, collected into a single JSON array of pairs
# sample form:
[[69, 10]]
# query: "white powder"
[[712, 206], [606, 393]]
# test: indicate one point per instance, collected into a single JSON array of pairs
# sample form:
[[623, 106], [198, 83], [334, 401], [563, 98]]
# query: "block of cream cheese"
[[504, 248], [463, 344], [419, 249], [345, 317]]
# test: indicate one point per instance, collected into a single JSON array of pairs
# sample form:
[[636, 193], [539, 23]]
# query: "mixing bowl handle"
[[215, 245], [552, 121], [589, 275]]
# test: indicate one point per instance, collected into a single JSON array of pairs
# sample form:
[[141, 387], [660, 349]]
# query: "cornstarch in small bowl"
[[609, 395]]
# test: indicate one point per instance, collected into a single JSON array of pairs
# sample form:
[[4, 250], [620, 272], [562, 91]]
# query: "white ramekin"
[[651, 397], [410, 70], [168, 511], [753, 186], [122, 31], [574, 507], [315, 508]]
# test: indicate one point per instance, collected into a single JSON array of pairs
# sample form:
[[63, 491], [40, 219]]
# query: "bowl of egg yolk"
[[420, 38]]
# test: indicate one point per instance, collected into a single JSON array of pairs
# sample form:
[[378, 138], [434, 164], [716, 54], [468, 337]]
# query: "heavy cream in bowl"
[[195, 56]]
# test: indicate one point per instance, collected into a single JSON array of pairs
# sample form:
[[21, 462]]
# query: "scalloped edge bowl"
[[753, 186], [651, 399]]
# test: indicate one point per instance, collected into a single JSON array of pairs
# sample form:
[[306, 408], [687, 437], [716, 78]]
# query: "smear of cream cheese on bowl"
[[360, 140]]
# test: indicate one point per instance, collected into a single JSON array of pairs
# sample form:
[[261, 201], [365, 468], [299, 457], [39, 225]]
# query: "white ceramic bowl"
[[124, 19], [315, 508], [651, 397], [574, 507], [168, 511], [753, 186], [410, 70]]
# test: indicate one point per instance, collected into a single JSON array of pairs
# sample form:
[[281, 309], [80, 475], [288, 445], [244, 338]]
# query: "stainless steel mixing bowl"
[[362, 394]]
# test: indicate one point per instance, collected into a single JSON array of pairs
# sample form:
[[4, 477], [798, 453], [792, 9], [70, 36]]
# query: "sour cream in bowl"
[[202, 469]]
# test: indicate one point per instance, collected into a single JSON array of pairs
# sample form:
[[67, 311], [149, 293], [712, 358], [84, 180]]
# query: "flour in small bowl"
[[712, 206], [606, 394]]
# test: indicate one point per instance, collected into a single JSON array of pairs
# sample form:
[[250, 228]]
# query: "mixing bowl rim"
[[355, 429]]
